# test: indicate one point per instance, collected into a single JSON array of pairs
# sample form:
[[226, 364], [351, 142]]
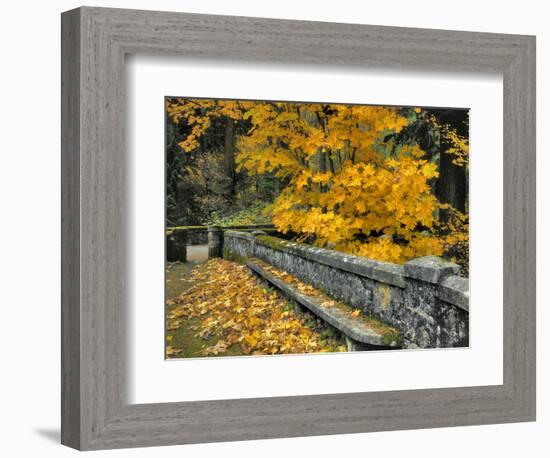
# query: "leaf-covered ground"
[[220, 308]]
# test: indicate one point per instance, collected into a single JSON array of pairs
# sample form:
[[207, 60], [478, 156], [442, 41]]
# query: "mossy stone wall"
[[424, 298]]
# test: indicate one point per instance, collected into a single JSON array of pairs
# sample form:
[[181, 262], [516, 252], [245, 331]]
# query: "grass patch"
[[177, 278], [184, 339]]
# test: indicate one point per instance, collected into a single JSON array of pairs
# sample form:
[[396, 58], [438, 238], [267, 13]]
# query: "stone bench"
[[359, 334]]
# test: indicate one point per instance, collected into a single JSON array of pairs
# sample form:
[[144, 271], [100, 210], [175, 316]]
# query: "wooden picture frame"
[[95, 413]]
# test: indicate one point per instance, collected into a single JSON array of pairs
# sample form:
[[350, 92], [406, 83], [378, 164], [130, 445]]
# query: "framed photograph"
[[307, 228]]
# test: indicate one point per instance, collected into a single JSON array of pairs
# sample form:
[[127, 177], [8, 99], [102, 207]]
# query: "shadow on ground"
[[53, 435]]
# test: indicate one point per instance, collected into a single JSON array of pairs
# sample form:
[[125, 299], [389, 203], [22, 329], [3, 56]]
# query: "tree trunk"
[[451, 184], [322, 162], [229, 153], [451, 187]]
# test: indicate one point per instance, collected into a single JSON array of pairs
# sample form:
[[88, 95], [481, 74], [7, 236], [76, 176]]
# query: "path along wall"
[[424, 298]]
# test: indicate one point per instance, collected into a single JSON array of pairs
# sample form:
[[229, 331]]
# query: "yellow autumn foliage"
[[347, 189]]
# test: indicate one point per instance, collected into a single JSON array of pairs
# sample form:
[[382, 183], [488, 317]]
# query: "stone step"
[[361, 333]]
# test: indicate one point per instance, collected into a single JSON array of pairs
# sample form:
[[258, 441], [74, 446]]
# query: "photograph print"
[[306, 227]]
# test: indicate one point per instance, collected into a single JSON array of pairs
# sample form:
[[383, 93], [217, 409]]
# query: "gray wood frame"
[[95, 413]]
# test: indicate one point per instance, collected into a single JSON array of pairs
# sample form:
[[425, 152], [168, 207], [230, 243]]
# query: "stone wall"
[[179, 238], [198, 235], [424, 298]]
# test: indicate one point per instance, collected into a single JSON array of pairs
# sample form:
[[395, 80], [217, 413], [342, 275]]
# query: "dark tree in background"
[[229, 154], [451, 187], [203, 186], [176, 208], [452, 182]]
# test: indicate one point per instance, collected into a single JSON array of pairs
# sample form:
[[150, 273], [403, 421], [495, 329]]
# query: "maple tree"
[[351, 185]]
